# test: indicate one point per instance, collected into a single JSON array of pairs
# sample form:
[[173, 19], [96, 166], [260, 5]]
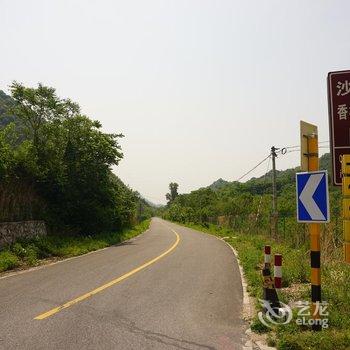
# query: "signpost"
[[306, 131], [339, 119], [310, 163], [346, 205], [339, 130], [312, 197]]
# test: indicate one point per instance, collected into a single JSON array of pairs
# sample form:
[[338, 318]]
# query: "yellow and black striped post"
[[315, 253], [346, 205], [310, 162]]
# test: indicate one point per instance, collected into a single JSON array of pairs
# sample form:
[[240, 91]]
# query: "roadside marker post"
[[315, 246], [310, 162], [346, 205], [269, 291], [278, 271], [267, 256]]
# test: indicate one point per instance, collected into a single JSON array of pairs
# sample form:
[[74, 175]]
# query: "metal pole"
[[346, 205], [274, 193], [314, 229]]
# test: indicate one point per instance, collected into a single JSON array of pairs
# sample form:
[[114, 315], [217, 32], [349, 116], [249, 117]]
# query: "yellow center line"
[[109, 284]]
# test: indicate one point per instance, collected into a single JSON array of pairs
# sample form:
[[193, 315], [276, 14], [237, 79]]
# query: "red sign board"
[[339, 119]]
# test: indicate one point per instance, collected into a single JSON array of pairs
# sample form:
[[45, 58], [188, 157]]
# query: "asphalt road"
[[172, 288]]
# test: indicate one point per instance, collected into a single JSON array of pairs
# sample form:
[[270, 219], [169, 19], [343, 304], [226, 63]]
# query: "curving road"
[[169, 288]]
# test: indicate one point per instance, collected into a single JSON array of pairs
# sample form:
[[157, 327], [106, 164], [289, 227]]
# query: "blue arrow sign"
[[312, 196]]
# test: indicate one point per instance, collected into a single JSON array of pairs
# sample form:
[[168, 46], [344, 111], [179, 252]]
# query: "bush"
[[31, 257], [8, 261], [26, 251], [258, 327], [29, 252], [18, 250]]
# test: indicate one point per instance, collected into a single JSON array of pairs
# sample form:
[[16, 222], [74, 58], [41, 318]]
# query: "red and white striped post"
[[278, 271], [269, 291], [267, 256]]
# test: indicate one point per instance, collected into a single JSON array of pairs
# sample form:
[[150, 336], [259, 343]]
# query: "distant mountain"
[[6, 102], [326, 162], [244, 200], [151, 204], [262, 184], [218, 184]]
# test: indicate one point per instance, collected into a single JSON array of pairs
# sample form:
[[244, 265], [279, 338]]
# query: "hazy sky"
[[201, 89]]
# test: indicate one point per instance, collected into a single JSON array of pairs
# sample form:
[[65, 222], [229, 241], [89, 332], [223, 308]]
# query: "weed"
[[29, 252]]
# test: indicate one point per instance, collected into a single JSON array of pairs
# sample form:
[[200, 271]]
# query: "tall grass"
[[31, 252]]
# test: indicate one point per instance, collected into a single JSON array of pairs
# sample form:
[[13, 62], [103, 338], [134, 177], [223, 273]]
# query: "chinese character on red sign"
[[339, 119]]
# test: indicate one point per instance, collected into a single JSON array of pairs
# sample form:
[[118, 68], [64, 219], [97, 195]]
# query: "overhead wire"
[[298, 146], [289, 149], [248, 172], [295, 148]]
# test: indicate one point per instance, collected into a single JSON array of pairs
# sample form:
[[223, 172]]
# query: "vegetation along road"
[[170, 287]]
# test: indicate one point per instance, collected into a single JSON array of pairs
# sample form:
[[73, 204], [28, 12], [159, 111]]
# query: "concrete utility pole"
[[274, 227]]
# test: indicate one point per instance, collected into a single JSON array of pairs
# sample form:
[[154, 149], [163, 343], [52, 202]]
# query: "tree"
[[38, 106], [80, 175], [173, 186], [65, 159]]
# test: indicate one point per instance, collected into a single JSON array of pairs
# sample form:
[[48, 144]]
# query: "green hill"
[[247, 206], [263, 184], [6, 102], [218, 184]]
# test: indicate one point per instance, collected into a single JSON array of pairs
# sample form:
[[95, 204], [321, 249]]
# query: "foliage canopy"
[[55, 165]]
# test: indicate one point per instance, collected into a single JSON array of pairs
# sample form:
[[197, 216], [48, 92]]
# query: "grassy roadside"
[[32, 252], [296, 271]]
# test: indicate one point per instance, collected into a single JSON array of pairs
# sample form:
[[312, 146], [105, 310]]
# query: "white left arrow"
[[307, 200]]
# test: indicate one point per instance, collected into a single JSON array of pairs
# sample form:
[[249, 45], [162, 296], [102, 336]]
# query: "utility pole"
[[274, 227]]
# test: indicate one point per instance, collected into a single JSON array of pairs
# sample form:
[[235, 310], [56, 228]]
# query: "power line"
[[295, 148], [298, 146], [248, 172], [288, 147]]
